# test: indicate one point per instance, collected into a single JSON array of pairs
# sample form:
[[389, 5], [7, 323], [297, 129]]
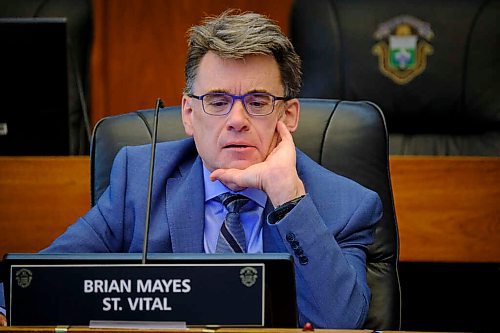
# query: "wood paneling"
[[39, 198], [447, 208], [139, 48]]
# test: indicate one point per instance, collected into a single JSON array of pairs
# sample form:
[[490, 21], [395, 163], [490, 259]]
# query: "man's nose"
[[238, 116]]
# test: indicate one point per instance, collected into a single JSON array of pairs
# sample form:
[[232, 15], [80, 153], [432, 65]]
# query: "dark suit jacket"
[[333, 224]]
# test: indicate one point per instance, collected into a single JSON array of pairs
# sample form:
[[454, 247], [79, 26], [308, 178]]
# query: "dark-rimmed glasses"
[[255, 104]]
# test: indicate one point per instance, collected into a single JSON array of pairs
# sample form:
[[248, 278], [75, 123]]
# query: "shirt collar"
[[213, 189]]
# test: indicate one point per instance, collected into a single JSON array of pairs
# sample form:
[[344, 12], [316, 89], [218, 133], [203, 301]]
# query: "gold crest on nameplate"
[[403, 44], [248, 276]]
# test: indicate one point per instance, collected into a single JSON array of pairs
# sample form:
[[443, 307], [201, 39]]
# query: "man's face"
[[238, 139]]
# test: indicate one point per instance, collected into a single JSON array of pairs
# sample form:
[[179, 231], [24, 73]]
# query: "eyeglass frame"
[[242, 99]]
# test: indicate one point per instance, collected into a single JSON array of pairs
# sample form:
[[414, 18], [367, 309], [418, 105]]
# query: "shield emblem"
[[402, 52], [403, 44], [248, 276], [23, 277]]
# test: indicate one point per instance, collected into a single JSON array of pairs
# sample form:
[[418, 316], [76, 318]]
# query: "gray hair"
[[234, 36]]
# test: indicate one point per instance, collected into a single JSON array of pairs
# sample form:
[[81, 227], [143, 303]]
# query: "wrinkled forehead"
[[253, 73]]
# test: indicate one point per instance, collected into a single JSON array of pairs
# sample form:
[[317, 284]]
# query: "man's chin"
[[239, 164]]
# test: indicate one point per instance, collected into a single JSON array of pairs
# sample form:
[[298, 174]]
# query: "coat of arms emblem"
[[248, 276], [403, 44], [23, 277]]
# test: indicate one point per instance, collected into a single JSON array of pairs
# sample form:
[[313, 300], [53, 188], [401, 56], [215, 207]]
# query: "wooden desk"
[[76, 329], [447, 208]]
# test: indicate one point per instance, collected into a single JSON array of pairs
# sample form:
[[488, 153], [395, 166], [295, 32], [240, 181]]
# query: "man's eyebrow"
[[258, 91], [224, 91], [217, 91]]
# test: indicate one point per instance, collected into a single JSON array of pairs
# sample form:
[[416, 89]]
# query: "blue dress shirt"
[[215, 212]]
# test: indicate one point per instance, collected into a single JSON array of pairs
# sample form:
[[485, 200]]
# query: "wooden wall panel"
[[39, 198], [139, 48], [448, 208]]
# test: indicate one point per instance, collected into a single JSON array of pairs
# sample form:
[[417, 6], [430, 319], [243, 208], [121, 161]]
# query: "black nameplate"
[[198, 294]]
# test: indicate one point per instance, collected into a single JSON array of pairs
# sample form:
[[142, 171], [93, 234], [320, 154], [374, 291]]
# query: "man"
[[240, 107]]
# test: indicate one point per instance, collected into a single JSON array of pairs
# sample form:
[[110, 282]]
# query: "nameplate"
[[198, 294]]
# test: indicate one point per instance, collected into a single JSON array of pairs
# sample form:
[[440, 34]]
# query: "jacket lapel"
[[186, 209]]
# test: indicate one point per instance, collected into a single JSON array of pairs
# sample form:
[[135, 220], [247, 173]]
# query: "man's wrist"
[[282, 210], [279, 196]]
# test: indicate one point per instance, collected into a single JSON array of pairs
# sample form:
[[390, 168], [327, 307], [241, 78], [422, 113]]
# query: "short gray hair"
[[235, 35]]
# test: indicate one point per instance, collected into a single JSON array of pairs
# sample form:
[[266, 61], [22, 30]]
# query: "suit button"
[[290, 236], [299, 252], [303, 260], [295, 245]]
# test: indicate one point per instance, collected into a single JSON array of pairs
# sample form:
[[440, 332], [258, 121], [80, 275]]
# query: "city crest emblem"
[[24, 277], [248, 276], [403, 44]]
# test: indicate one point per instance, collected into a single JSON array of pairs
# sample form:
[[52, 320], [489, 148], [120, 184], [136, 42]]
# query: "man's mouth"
[[236, 146]]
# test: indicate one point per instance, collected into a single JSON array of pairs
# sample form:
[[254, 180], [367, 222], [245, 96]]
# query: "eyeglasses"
[[256, 104]]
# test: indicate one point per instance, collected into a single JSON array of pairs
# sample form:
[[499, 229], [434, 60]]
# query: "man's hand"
[[277, 175], [3, 320]]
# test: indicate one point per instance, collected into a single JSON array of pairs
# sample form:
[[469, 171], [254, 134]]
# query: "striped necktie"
[[232, 236]]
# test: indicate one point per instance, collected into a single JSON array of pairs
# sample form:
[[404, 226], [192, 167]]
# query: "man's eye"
[[258, 104], [259, 101], [218, 103]]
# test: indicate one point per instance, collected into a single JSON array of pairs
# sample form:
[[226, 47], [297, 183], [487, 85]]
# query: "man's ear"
[[187, 115], [291, 114]]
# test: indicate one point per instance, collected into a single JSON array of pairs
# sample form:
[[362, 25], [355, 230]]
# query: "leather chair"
[[444, 103], [349, 138]]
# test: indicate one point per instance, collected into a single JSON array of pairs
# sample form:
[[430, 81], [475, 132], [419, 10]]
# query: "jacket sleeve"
[[330, 260], [2, 300]]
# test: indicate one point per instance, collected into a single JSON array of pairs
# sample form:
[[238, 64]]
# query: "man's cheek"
[[274, 142]]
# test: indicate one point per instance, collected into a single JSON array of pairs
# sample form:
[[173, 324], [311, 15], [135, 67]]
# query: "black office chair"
[[442, 101], [348, 138]]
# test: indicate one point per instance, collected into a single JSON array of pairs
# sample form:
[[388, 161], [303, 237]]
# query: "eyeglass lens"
[[255, 104]]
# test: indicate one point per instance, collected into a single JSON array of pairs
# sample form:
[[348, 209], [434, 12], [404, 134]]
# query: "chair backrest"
[[349, 138], [433, 67]]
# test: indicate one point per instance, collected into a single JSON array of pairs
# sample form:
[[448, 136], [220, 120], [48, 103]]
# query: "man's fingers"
[[3, 320], [283, 131], [226, 175], [216, 174], [229, 177]]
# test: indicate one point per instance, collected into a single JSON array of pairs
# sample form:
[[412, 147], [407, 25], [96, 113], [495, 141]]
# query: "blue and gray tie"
[[232, 236]]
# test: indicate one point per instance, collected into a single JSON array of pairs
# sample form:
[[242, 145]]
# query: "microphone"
[[159, 104]]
